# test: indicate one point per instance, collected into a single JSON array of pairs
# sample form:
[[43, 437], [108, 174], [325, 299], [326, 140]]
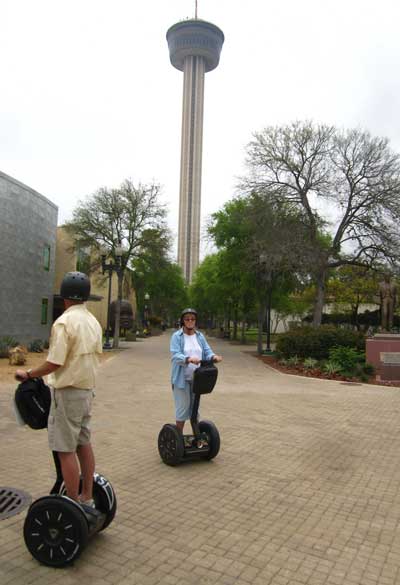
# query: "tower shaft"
[[191, 165], [194, 48]]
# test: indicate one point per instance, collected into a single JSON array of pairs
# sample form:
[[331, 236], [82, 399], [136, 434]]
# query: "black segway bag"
[[204, 378], [33, 399]]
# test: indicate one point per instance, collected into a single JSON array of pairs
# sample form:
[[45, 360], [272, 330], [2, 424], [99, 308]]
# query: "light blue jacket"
[[178, 357]]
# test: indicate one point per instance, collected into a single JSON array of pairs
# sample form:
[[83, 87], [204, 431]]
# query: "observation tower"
[[194, 48]]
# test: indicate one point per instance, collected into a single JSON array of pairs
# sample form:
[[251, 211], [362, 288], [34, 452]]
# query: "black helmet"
[[75, 286], [186, 312]]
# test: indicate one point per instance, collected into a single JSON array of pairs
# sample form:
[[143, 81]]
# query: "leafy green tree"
[[345, 183], [163, 280], [352, 286], [265, 245], [208, 291], [119, 217]]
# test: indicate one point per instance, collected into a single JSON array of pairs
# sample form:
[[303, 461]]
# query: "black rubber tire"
[[170, 445], [55, 531], [209, 428], [104, 498]]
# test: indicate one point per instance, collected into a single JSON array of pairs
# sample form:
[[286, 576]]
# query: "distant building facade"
[[28, 223], [69, 257]]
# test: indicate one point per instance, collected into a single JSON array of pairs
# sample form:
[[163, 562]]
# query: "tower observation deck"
[[194, 48]]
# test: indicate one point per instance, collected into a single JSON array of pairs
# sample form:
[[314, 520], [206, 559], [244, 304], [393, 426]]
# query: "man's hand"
[[44, 369]]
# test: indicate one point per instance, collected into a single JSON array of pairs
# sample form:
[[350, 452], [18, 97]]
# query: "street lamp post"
[[268, 278], [269, 294], [229, 299], [110, 267], [146, 308]]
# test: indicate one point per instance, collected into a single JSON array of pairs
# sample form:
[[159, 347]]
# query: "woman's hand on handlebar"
[[217, 358], [193, 360]]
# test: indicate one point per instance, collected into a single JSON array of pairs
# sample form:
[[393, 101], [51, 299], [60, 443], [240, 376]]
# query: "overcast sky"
[[88, 96]]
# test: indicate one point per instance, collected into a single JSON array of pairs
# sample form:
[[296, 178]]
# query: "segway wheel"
[[104, 498], [55, 531], [214, 442], [170, 445]]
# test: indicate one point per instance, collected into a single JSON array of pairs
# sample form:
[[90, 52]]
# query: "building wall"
[[66, 261], [28, 223]]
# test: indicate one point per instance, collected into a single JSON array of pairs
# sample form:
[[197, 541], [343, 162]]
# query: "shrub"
[[310, 363], [346, 357], [369, 369], [6, 343], [364, 371], [332, 368], [352, 363], [316, 342], [36, 346], [4, 349], [293, 361]]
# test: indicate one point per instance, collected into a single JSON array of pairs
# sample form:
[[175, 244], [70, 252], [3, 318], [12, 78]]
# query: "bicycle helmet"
[[187, 312], [75, 286]]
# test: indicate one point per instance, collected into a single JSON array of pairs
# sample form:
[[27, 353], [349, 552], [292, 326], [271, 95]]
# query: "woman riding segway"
[[189, 349]]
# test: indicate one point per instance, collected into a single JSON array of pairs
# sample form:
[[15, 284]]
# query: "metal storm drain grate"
[[12, 501]]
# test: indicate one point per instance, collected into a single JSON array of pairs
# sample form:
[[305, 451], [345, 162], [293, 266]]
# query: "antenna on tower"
[[195, 8]]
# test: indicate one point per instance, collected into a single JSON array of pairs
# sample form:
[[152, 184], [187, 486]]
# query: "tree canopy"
[[346, 184], [123, 217]]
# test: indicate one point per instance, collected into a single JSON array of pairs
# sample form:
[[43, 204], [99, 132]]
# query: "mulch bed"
[[299, 370]]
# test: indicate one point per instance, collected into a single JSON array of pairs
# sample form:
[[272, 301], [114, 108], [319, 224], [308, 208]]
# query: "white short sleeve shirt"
[[192, 348]]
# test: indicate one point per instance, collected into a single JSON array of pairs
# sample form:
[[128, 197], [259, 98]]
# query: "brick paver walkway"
[[305, 490]]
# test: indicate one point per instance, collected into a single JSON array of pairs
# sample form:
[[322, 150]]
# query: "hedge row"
[[316, 342]]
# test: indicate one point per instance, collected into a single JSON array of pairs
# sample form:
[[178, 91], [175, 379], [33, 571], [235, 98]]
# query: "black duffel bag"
[[33, 399]]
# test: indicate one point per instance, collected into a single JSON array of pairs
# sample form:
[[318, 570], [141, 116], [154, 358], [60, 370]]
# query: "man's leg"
[[70, 471], [87, 462]]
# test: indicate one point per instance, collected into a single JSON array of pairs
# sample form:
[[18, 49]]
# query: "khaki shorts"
[[69, 419]]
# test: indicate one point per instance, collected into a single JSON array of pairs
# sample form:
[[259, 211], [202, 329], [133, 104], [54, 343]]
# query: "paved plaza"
[[305, 489]]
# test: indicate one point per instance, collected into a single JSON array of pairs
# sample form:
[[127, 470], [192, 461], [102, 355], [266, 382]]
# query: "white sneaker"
[[90, 503]]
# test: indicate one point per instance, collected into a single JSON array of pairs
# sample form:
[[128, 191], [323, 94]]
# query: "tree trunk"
[[118, 312], [319, 298], [354, 317], [235, 324]]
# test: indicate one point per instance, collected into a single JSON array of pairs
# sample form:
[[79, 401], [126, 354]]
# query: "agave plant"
[[331, 367], [310, 363]]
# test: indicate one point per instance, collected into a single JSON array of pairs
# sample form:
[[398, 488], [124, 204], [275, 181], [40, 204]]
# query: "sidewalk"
[[305, 489]]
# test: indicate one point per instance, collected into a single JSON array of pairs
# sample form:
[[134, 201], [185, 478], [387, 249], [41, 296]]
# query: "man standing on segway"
[[188, 348], [72, 362]]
